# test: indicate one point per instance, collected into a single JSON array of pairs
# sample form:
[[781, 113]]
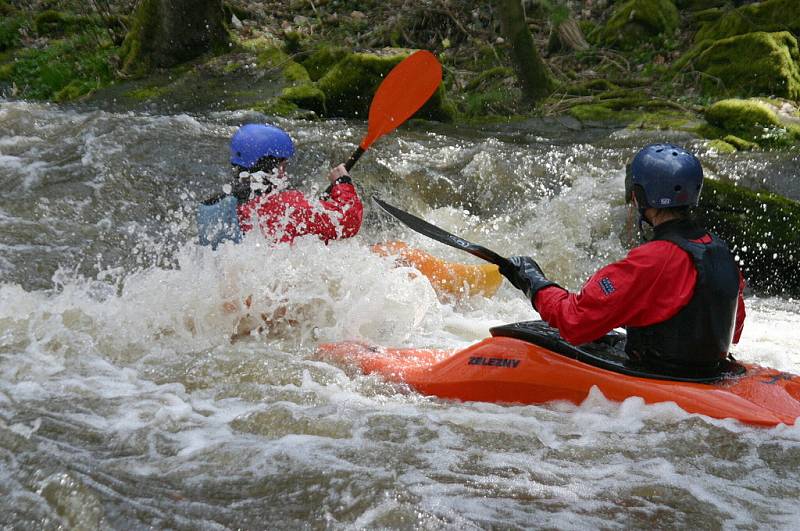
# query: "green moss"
[[637, 21], [490, 76], [751, 120], [769, 16], [277, 107], [663, 120], [493, 101], [593, 112], [296, 73], [699, 5], [762, 228], [66, 69], [752, 64], [349, 85], [720, 146], [322, 60], [739, 143], [306, 96], [135, 63], [593, 86]]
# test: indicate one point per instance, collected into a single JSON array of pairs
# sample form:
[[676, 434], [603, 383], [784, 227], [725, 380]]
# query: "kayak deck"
[[511, 370]]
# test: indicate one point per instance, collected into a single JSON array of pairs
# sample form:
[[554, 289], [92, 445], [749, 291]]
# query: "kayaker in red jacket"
[[258, 155], [679, 295]]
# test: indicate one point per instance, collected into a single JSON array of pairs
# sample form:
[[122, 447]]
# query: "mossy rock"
[[769, 16], [594, 112], [322, 60], [636, 21], [754, 121], [739, 143], [720, 146], [762, 229], [700, 5], [305, 96], [752, 64], [350, 85]]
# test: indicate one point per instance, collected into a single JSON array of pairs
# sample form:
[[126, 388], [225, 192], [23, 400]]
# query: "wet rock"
[[636, 21], [757, 63]]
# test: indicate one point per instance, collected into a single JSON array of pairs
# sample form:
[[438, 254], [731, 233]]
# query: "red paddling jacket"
[[284, 216], [679, 296]]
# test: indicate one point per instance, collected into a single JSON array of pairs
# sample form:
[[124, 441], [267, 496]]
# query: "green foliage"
[[63, 71], [9, 32], [637, 21], [752, 64]]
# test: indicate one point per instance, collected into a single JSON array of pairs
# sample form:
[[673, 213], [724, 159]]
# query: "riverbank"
[[611, 64]]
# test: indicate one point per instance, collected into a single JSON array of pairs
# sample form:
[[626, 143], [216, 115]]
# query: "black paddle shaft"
[[441, 235]]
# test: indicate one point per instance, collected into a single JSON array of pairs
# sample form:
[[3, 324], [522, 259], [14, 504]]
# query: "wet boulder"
[[762, 122], [636, 21], [757, 63], [763, 231], [349, 85]]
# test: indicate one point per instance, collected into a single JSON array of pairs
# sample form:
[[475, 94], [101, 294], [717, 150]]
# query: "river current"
[[125, 403]]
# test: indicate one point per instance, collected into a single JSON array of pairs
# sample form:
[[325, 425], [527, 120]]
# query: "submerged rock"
[[637, 21], [752, 64]]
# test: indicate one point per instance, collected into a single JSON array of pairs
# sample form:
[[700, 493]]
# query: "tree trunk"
[[532, 72], [568, 37], [167, 32]]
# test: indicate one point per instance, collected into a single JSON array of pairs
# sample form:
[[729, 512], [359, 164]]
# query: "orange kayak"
[[528, 363], [449, 278]]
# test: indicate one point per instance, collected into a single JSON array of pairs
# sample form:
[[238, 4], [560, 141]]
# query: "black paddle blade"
[[441, 235]]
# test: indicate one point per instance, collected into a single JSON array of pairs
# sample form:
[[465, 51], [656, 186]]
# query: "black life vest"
[[696, 340]]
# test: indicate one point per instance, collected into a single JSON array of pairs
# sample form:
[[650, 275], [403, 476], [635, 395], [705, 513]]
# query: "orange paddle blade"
[[405, 89]]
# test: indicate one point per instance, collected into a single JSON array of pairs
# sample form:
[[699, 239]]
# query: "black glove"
[[526, 275]]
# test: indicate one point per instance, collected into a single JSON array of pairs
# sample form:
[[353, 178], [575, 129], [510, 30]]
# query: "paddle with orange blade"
[[403, 91]]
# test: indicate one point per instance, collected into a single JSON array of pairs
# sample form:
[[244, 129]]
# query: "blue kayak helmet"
[[664, 176], [253, 142]]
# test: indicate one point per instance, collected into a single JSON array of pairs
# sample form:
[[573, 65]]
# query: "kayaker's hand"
[[338, 173], [526, 275]]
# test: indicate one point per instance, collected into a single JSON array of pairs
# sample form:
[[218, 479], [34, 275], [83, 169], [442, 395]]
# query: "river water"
[[125, 404]]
